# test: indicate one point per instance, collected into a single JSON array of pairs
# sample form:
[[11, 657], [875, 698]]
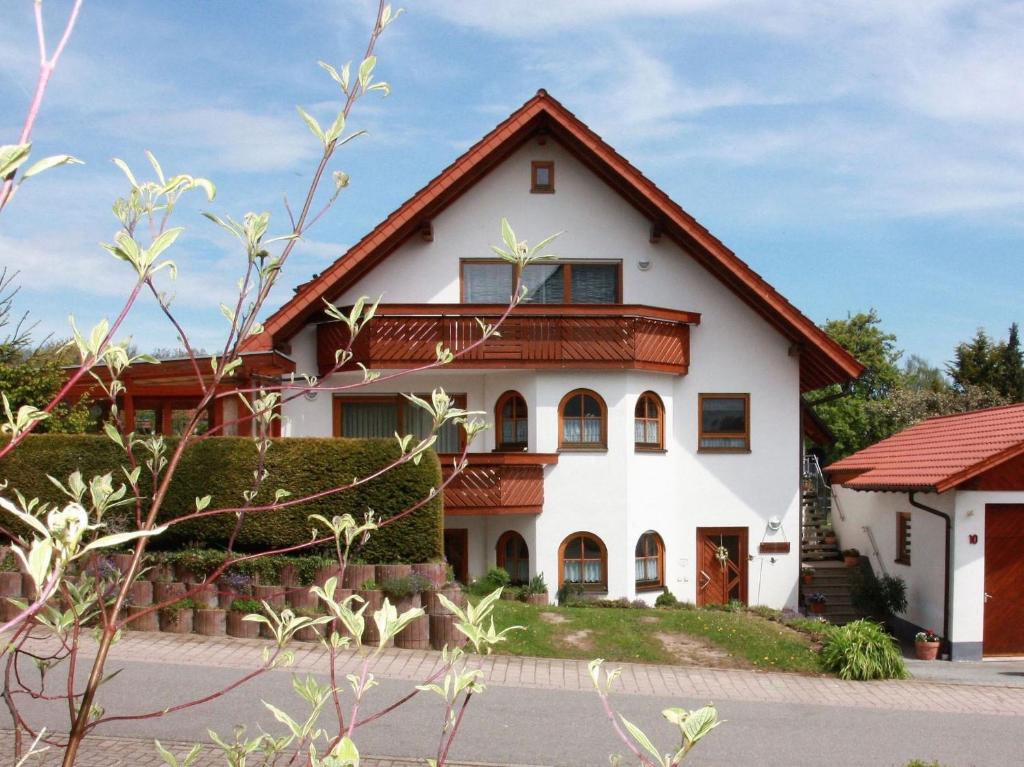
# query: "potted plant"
[[816, 602], [807, 574], [536, 591], [233, 586], [210, 621], [177, 618], [236, 627], [829, 536], [851, 557], [926, 644]]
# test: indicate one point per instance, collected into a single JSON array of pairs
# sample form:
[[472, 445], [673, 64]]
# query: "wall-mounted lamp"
[[644, 264], [775, 524], [310, 394]]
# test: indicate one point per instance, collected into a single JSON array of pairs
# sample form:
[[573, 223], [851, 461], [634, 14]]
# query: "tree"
[[1010, 375], [845, 409], [920, 375], [975, 362]]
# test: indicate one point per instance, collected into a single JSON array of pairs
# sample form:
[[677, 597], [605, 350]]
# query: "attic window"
[[542, 177]]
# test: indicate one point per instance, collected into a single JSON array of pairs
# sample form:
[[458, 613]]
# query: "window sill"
[[584, 449], [511, 449], [644, 449], [648, 587], [735, 450], [904, 562], [542, 191]]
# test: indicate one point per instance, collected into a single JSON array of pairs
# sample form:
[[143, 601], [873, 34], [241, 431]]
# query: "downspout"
[[949, 541]]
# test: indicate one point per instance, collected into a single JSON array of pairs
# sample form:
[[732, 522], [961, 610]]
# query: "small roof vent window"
[[542, 177]]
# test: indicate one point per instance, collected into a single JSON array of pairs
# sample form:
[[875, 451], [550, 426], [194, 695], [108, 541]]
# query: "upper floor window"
[[903, 538], [557, 282], [583, 421], [364, 417], [648, 422], [542, 176], [724, 423], [510, 416]]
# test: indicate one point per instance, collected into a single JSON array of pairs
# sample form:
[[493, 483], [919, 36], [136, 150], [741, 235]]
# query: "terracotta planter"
[[433, 605], [161, 573], [927, 650], [374, 599], [818, 608], [323, 574], [851, 561], [807, 579], [141, 593], [210, 622], [185, 574], [357, 575], [226, 596], [443, 632], [300, 598], [539, 600], [289, 576], [830, 540], [205, 596], [10, 584], [236, 627], [8, 610], [310, 633], [28, 585], [176, 621], [148, 622], [122, 561], [272, 595], [165, 592], [392, 572], [416, 635], [435, 572]]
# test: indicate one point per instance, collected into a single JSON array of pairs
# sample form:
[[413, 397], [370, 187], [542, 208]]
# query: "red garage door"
[[1004, 580]]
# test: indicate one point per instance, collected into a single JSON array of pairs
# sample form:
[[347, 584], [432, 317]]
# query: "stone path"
[[636, 679]]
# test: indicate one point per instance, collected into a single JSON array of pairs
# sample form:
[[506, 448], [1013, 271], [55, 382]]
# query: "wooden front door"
[[721, 580], [456, 551], [1004, 576]]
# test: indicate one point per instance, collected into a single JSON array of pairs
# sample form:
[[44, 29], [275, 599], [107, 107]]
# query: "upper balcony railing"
[[496, 483], [533, 336]]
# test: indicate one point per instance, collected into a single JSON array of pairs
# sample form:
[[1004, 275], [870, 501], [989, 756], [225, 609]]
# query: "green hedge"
[[223, 468]]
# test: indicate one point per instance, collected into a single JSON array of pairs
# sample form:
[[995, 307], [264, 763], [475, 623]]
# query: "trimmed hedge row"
[[223, 468]]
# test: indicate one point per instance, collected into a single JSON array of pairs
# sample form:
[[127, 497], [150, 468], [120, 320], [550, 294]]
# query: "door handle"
[[706, 581], [987, 596]]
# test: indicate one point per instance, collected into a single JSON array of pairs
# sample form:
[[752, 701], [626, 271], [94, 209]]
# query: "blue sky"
[[857, 155]]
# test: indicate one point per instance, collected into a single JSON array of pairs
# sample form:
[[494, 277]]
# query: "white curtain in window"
[[368, 419], [646, 569], [571, 431], [592, 430], [572, 572], [591, 571]]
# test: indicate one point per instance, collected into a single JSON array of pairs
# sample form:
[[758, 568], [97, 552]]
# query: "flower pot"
[[210, 622], [160, 573], [206, 596], [310, 633], [300, 598], [443, 632], [141, 593], [435, 572], [236, 627], [8, 610], [168, 592], [818, 608], [392, 572], [851, 561], [357, 575], [433, 605], [807, 579], [830, 540], [185, 574], [226, 596], [927, 650], [539, 600], [176, 621], [10, 584], [272, 595], [122, 561], [416, 635], [148, 622], [289, 576], [374, 599]]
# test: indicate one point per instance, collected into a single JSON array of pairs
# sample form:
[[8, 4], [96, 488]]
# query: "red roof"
[[822, 360], [938, 454]]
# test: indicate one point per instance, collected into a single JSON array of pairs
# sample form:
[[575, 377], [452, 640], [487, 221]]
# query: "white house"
[[941, 505], [646, 401]]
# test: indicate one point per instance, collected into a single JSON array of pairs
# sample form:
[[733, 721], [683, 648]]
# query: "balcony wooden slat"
[[496, 484], [612, 336]]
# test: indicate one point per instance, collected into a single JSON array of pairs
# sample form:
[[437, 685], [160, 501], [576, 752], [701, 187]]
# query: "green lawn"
[[740, 639]]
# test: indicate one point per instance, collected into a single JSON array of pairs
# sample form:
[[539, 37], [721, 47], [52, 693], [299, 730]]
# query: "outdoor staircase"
[[831, 576]]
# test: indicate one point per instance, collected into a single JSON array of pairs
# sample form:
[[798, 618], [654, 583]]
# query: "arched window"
[[650, 561], [583, 421], [649, 422], [510, 416], [514, 557], [583, 559]]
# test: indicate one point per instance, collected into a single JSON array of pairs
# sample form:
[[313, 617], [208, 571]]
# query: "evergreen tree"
[[975, 363], [1010, 381]]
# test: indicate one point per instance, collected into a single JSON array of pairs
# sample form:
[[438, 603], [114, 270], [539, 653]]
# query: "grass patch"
[[730, 639]]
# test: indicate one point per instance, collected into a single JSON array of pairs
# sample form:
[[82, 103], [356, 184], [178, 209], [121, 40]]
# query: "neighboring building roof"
[[822, 360], [937, 454]]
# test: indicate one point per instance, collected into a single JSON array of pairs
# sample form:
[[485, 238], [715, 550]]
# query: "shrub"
[[246, 606], [569, 592], [666, 599], [882, 597], [862, 650], [851, 552], [404, 587], [222, 468], [496, 578]]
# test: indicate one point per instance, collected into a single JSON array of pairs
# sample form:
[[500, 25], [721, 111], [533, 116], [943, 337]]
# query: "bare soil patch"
[[691, 651], [554, 618], [581, 640]]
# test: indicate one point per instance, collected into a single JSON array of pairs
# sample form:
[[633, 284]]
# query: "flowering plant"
[[817, 598], [926, 636]]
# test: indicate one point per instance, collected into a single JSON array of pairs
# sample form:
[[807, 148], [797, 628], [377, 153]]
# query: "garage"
[[1004, 580]]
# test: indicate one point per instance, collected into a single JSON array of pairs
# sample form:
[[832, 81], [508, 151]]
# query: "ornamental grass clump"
[[862, 650]]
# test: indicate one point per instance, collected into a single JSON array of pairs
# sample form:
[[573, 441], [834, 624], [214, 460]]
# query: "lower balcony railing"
[[496, 483], [534, 336]]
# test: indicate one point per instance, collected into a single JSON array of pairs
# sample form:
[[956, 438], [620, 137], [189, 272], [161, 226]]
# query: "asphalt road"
[[559, 727]]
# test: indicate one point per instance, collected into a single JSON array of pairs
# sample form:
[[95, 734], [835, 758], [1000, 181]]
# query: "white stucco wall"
[[620, 493]]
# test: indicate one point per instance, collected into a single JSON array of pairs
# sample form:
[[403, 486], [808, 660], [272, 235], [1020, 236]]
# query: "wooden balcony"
[[496, 483], [533, 336]]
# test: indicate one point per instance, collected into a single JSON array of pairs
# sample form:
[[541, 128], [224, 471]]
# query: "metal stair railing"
[[874, 549], [811, 470]]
